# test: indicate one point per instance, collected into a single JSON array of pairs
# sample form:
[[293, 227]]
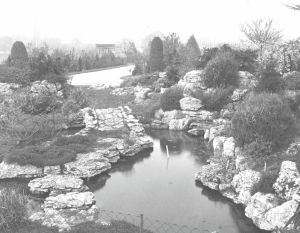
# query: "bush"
[[217, 99], [292, 80], [156, 58], [170, 98], [269, 80], [76, 100], [264, 118], [172, 74], [14, 75], [221, 71], [13, 210], [137, 69]]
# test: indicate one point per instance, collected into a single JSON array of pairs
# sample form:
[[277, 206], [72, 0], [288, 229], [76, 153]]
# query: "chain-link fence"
[[145, 224]]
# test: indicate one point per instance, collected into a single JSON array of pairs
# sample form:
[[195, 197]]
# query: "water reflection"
[[163, 187]]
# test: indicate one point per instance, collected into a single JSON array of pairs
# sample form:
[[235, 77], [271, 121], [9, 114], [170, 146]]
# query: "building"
[[109, 48]]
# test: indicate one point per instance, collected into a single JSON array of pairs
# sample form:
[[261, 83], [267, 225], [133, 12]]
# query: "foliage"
[[221, 71], [170, 98], [258, 148], [13, 209], [216, 100], [18, 55], [76, 100], [172, 46], [137, 69], [145, 111], [156, 55], [206, 55], [264, 118], [261, 33], [172, 73], [143, 80], [292, 80], [14, 75]]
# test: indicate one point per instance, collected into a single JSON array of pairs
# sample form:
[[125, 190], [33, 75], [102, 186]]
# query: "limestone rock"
[[247, 80], [12, 170], [190, 104], [218, 143], [238, 95], [57, 184], [229, 147], [172, 115], [201, 115], [156, 124], [210, 175], [245, 183], [216, 131], [180, 124], [7, 89], [141, 94], [87, 165], [288, 181], [197, 132], [193, 77]]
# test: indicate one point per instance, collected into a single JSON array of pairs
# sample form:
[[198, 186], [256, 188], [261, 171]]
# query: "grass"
[[104, 99]]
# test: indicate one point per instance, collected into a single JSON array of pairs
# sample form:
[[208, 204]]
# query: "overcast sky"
[[108, 21]]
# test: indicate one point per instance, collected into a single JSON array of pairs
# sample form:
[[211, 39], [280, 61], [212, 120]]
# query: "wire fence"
[[147, 225]]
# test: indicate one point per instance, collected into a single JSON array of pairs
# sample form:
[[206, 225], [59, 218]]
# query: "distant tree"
[[79, 64], [172, 46], [294, 7], [129, 49], [156, 57], [192, 53], [146, 42], [19, 55], [261, 33]]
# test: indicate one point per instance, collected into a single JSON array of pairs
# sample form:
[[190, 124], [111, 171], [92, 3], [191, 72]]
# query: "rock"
[[193, 77], [229, 147], [226, 113], [245, 183], [279, 216], [247, 80], [197, 132], [210, 175], [190, 104], [52, 170], [179, 124], [156, 124], [67, 210], [46, 88], [206, 134], [136, 145], [87, 165], [162, 74], [190, 90], [221, 121], [288, 181], [259, 205], [218, 145], [7, 89], [159, 114], [238, 95], [216, 131], [78, 200], [12, 170], [201, 115], [141, 94], [293, 149], [57, 184], [172, 115], [122, 91]]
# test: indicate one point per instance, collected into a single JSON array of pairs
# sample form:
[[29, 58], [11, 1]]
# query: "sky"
[[109, 21]]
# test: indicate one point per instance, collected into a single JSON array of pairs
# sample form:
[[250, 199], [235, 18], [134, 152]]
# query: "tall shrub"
[[156, 57], [264, 118], [191, 53], [170, 98], [19, 55], [221, 71]]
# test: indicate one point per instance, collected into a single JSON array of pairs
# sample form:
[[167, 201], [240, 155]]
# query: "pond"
[[164, 188]]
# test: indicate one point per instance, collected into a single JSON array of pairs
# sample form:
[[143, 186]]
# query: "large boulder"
[[229, 147], [87, 165], [258, 206], [67, 210], [179, 124], [194, 79], [141, 93], [190, 104], [245, 184], [288, 181], [7, 89], [56, 184], [12, 170], [44, 88], [217, 144], [211, 175], [171, 115]]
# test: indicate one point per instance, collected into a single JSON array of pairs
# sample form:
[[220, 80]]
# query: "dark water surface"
[[165, 189]]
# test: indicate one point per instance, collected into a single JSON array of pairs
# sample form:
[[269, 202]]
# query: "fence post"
[[141, 223]]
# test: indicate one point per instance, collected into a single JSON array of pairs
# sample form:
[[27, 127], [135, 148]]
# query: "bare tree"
[[261, 33]]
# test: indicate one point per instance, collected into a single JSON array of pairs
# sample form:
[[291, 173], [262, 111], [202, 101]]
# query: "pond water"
[[164, 189]]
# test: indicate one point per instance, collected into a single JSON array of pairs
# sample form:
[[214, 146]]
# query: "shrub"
[[264, 118], [269, 80], [292, 80], [137, 69], [221, 71], [18, 55], [156, 58], [172, 74], [76, 100], [14, 75], [217, 99], [170, 98], [13, 209]]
